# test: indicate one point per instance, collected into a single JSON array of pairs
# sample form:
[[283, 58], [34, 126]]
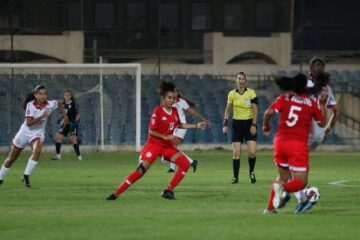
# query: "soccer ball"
[[312, 194]]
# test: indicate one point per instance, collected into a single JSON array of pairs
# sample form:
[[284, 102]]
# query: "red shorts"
[[293, 154], [151, 151]]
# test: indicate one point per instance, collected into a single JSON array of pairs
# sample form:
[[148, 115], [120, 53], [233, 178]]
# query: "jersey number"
[[293, 117]]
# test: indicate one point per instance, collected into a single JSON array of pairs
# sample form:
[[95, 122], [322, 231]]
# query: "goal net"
[[108, 96]]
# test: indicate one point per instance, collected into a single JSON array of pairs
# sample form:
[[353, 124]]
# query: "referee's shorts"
[[241, 131]]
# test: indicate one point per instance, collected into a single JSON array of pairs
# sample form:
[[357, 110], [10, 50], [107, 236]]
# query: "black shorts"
[[241, 131], [73, 130]]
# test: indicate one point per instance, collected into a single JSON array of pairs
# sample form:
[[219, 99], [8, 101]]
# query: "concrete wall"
[[278, 47], [68, 47]]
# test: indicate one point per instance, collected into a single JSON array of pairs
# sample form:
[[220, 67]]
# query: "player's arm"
[[200, 125], [198, 115], [333, 119], [63, 113], [269, 113], [227, 114], [255, 110], [30, 121], [159, 135]]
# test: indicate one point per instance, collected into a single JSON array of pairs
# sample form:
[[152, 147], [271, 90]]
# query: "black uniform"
[[71, 110]]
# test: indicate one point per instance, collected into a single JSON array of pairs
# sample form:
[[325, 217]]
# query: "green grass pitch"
[[67, 200]]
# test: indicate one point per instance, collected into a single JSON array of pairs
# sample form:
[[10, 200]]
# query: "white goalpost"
[[101, 70]]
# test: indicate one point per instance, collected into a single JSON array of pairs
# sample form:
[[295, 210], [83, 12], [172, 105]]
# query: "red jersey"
[[296, 114], [163, 122]]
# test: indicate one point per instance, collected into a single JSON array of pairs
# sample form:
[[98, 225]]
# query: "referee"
[[244, 103]]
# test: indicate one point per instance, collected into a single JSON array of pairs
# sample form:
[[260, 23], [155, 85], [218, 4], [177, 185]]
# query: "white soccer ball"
[[312, 194]]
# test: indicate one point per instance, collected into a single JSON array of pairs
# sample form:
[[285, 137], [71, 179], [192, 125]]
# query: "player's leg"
[[251, 145], [13, 155], [304, 204], [236, 147], [183, 166], [147, 156], [33, 160], [179, 134], [58, 140], [278, 186], [74, 141]]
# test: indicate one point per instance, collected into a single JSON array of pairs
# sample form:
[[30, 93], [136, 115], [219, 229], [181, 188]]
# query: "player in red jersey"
[[164, 120], [291, 151]]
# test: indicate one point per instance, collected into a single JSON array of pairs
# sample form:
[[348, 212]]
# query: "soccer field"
[[67, 200]]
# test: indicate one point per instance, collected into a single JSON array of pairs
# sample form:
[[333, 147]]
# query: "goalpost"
[[67, 75]]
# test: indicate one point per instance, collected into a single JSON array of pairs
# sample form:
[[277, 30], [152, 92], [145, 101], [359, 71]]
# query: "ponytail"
[[31, 96]]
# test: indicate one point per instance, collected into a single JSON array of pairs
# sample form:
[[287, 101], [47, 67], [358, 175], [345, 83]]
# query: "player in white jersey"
[[184, 105], [32, 131]]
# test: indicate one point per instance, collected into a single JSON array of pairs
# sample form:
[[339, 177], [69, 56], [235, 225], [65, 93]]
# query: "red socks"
[[294, 185], [184, 165], [271, 197], [132, 178]]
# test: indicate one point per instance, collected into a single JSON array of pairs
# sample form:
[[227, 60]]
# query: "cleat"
[[79, 158], [269, 211], [252, 177], [167, 194], [278, 189], [56, 157], [284, 199], [234, 181], [171, 170], [1, 181], [25, 179], [194, 165], [111, 197], [302, 207]]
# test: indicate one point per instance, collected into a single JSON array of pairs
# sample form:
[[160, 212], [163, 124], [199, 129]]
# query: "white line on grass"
[[343, 183]]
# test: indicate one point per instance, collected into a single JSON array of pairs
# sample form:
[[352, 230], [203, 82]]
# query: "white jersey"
[[181, 105], [27, 134], [317, 133]]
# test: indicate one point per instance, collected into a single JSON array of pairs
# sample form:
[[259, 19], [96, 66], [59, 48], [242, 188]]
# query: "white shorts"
[[317, 133], [180, 132], [22, 139]]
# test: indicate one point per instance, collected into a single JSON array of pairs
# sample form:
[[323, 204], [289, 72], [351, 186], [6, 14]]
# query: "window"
[[104, 15], [200, 16], [169, 16], [233, 16], [72, 16], [136, 16], [265, 14]]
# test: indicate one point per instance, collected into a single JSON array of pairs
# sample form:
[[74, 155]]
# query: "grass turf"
[[67, 200]]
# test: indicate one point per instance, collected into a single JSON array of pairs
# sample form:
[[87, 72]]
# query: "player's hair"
[[31, 96], [296, 84], [72, 95], [320, 79], [191, 103], [165, 87], [316, 65]]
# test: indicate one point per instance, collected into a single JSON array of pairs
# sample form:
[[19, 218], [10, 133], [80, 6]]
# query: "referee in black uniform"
[[244, 104], [72, 111]]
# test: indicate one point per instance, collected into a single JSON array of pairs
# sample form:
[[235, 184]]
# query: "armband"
[[254, 125]]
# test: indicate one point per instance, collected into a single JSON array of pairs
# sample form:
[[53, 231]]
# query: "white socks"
[[300, 196], [30, 166], [3, 172], [172, 166]]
